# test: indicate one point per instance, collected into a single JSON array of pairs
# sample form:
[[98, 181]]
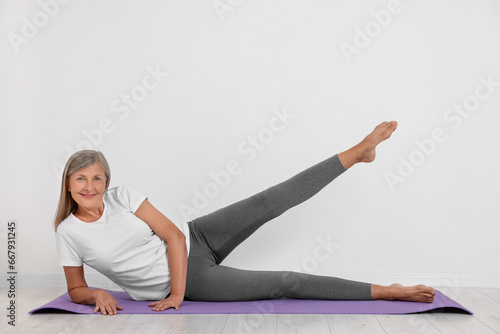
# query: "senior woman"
[[120, 234]]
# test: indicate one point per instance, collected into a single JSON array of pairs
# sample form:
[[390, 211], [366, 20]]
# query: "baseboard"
[[443, 280], [446, 280], [58, 280]]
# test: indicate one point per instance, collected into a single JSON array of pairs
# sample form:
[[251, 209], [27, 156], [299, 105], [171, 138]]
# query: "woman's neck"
[[89, 215]]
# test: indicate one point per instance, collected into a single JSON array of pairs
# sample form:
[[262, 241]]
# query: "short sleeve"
[[68, 254], [131, 198]]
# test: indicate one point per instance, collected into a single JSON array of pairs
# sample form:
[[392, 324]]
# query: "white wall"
[[229, 72]]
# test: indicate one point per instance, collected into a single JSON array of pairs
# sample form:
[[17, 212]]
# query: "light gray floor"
[[485, 303]]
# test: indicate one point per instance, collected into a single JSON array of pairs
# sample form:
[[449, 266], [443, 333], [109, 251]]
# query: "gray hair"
[[76, 162]]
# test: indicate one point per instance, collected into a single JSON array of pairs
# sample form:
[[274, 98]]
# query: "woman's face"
[[87, 186]]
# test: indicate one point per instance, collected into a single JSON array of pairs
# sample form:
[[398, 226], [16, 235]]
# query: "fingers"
[[170, 302], [108, 309], [162, 305], [111, 309], [165, 306], [107, 304]]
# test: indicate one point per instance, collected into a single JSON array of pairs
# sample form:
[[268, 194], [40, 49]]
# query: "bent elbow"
[[176, 237], [74, 297], [82, 295], [181, 237]]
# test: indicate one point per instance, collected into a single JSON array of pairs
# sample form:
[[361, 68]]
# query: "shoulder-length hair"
[[76, 162]]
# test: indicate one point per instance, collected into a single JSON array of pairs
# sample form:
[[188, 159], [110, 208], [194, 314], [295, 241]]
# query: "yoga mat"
[[284, 306]]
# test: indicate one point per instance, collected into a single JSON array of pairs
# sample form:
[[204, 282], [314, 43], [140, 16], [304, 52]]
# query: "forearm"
[[177, 261]]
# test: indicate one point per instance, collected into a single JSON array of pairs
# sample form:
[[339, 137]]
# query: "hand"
[[106, 303], [174, 301]]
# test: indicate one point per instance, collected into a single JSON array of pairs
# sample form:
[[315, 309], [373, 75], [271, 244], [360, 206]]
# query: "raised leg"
[[226, 228]]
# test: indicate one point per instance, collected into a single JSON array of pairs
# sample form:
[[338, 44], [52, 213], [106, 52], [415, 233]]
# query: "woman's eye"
[[98, 178]]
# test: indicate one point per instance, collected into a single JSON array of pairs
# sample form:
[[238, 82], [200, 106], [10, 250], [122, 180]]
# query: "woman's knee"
[[292, 284], [271, 203]]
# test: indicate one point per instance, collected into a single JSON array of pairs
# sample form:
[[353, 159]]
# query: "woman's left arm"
[[177, 253]]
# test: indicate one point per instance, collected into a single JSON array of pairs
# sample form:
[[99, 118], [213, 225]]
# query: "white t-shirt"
[[119, 245]]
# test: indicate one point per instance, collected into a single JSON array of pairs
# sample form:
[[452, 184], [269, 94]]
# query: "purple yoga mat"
[[286, 306]]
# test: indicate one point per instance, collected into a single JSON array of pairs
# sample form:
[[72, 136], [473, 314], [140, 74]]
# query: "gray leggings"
[[215, 235]]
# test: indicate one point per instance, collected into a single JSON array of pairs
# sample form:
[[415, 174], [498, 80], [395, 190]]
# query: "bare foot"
[[418, 293], [365, 150], [367, 146]]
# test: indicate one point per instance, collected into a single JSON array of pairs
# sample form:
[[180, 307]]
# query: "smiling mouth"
[[88, 195]]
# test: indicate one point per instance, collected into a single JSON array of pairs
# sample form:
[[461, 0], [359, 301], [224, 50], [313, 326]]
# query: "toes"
[[393, 125]]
